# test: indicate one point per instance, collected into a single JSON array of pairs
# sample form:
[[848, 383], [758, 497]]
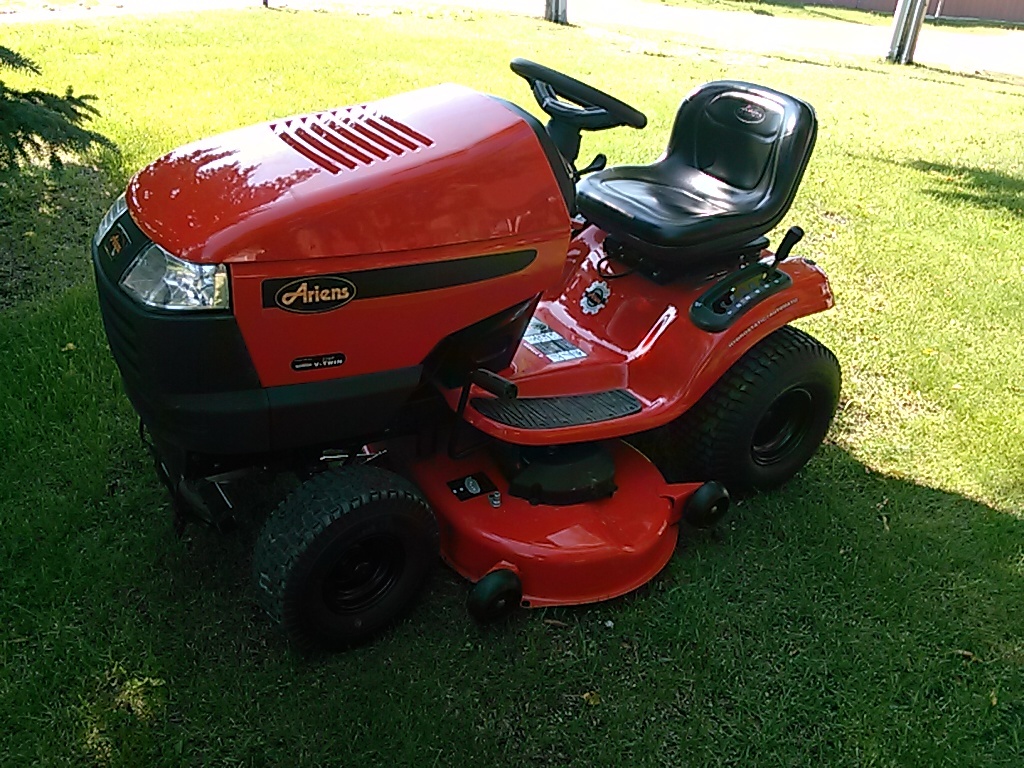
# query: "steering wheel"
[[570, 101]]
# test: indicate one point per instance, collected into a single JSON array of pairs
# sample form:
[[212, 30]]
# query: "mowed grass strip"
[[866, 614]]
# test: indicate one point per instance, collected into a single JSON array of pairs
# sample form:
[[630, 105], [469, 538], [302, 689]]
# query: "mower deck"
[[563, 555]]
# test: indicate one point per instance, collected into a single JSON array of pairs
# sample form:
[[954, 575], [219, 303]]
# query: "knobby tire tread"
[[699, 432], [306, 513]]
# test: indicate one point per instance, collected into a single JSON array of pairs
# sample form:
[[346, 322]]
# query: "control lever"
[[597, 164], [499, 386], [792, 237], [488, 381]]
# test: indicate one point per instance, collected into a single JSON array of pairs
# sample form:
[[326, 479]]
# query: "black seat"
[[733, 165]]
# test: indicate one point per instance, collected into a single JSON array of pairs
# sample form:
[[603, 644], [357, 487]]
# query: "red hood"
[[440, 166]]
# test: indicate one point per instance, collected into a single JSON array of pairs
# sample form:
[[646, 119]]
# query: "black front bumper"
[[188, 375], [192, 381]]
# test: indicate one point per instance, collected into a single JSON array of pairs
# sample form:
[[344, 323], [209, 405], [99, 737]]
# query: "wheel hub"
[[782, 427], [363, 575]]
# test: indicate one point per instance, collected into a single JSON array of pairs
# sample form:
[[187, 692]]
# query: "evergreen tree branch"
[[14, 60], [38, 122]]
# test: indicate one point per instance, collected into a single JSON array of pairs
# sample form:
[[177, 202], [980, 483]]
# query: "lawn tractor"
[[450, 335]]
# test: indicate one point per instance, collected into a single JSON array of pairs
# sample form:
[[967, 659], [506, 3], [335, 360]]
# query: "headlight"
[[159, 279], [112, 215]]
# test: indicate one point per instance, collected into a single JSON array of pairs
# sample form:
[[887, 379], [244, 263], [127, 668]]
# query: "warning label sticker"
[[551, 344]]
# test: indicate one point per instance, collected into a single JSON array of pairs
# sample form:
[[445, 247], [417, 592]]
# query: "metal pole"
[[914, 24], [556, 11], [899, 29]]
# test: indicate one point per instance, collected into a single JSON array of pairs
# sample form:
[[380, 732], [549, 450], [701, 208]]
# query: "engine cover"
[[359, 238]]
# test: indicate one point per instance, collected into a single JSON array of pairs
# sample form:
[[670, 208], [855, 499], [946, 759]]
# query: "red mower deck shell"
[[563, 555], [435, 176], [641, 340]]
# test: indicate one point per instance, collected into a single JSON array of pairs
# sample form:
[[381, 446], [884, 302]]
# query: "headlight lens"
[[112, 215], [160, 279]]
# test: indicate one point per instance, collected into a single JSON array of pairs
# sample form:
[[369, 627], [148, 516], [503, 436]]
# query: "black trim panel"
[[188, 375], [339, 410], [414, 278], [734, 295], [180, 352]]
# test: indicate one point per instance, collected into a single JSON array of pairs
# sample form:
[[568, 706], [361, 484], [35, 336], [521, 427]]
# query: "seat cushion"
[[685, 209]]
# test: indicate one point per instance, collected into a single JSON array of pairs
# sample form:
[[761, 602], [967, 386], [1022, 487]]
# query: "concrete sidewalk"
[[989, 50]]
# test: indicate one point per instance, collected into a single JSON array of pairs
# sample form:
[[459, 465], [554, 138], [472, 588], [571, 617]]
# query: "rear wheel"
[[762, 421], [344, 556]]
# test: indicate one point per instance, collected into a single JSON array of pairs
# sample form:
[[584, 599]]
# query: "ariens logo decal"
[[116, 241], [320, 293], [751, 114]]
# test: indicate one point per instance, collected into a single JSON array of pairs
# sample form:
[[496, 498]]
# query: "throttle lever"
[[792, 237]]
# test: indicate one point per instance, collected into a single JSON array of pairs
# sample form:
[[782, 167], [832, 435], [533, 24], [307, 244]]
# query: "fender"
[[609, 329]]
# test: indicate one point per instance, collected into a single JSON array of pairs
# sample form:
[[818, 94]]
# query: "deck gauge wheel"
[[495, 596]]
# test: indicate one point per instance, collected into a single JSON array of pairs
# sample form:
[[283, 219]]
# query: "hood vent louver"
[[348, 138]]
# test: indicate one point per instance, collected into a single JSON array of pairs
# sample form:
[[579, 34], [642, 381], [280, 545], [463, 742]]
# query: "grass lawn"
[[7, 6], [868, 614]]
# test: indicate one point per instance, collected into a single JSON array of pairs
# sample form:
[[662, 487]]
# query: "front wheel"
[[344, 556], [765, 418]]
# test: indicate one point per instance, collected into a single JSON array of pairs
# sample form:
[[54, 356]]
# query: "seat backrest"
[[751, 138]]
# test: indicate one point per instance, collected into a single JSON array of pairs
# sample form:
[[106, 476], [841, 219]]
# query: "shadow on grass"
[[973, 23], [837, 498], [820, 11], [924, 72], [848, 605], [827, 11], [998, 78], [981, 187], [764, 8], [877, 65], [47, 217]]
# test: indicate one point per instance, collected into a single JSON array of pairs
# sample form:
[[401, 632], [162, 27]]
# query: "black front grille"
[[188, 374], [120, 333]]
